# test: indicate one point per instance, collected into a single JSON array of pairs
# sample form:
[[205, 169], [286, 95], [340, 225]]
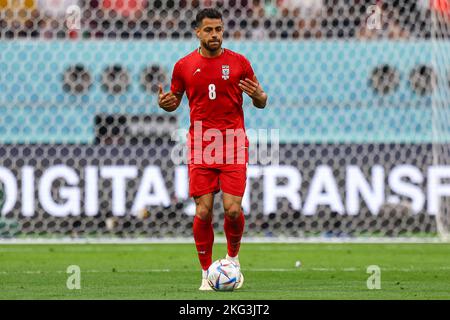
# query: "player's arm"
[[254, 90], [168, 101]]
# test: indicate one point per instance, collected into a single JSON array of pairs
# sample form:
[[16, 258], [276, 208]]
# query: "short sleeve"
[[248, 70], [177, 85]]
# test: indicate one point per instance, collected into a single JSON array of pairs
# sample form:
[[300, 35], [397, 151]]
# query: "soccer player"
[[214, 79]]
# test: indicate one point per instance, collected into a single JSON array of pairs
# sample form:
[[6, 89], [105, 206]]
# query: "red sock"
[[204, 240], [234, 228]]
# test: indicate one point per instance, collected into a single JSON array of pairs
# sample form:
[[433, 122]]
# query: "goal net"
[[440, 105], [354, 141]]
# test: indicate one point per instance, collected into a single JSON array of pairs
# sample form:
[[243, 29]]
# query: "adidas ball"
[[223, 275]]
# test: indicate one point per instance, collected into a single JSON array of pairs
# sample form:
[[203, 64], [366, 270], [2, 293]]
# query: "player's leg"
[[204, 234], [203, 230], [234, 223], [203, 183], [232, 182], [234, 228]]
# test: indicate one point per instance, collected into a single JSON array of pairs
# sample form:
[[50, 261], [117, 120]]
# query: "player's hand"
[[251, 87], [254, 91], [168, 101]]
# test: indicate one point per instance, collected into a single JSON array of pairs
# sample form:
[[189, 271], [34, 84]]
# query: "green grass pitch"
[[171, 271]]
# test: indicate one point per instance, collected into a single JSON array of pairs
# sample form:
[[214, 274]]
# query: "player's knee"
[[203, 212], [233, 211]]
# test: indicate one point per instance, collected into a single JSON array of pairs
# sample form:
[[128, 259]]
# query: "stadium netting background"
[[358, 93]]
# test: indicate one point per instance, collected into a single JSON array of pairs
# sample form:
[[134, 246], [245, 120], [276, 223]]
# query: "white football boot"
[[236, 261], [205, 285]]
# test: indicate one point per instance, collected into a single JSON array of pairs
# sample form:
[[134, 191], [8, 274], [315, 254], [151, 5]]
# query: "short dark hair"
[[210, 13]]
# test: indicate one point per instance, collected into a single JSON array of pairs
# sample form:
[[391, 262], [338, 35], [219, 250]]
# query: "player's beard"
[[212, 49]]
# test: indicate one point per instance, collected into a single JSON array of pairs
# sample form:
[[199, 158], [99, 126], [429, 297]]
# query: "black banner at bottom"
[[219, 309]]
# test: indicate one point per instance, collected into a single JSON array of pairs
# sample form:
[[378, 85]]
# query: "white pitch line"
[[140, 271], [272, 270], [87, 271], [185, 240], [300, 269]]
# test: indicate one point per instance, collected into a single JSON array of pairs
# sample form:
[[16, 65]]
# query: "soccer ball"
[[223, 275]]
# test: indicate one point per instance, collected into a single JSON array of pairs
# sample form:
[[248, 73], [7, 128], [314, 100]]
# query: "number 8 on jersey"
[[212, 91]]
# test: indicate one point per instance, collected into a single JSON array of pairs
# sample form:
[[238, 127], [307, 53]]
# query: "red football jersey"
[[212, 88]]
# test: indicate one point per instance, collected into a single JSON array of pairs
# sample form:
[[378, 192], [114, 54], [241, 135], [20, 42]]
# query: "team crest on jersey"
[[225, 72]]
